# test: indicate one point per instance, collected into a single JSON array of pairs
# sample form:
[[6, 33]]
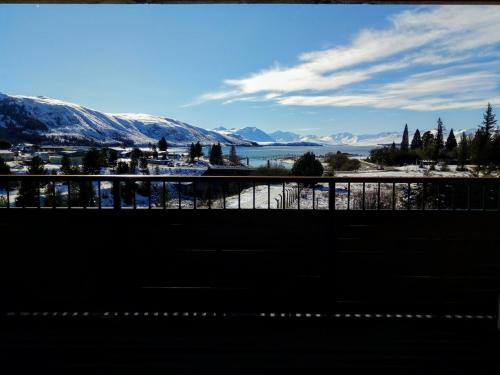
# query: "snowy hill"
[[25, 118]]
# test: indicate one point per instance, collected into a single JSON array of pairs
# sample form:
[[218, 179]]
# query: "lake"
[[258, 156]]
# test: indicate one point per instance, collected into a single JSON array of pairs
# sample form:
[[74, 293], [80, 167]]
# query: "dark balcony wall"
[[250, 260]]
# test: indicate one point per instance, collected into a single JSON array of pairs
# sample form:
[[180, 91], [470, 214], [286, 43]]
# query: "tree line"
[[481, 148]]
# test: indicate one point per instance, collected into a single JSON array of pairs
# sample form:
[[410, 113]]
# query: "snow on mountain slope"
[[347, 138], [284, 136], [250, 133], [254, 134], [26, 117]]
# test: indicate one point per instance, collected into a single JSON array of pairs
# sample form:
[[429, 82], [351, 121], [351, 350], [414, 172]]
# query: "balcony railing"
[[248, 192]]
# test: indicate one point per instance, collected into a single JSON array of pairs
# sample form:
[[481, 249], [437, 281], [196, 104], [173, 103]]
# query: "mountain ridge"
[[41, 118]]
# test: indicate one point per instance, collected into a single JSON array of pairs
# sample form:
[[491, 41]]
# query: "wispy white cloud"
[[420, 92], [425, 37], [219, 95]]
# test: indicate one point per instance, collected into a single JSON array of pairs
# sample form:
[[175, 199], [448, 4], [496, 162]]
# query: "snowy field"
[[407, 171]]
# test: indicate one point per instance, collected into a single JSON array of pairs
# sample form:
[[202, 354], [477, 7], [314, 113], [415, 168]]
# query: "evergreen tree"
[[307, 165], [496, 149], [451, 142], [192, 152], [103, 157], [112, 158], [133, 166], [134, 160], [122, 168], [136, 153], [36, 166], [199, 150], [92, 161], [4, 167], [482, 152], [162, 144], [438, 140], [233, 157], [29, 190], [489, 121], [428, 144], [128, 188], [427, 139], [143, 165], [463, 151], [416, 142], [154, 152], [77, 196], [404, 141], [219, 153], [480, 148], [215, 156], [66, 164]]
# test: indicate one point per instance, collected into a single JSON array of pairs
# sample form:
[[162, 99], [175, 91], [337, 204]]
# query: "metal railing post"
[[116, 195], [331, 196]]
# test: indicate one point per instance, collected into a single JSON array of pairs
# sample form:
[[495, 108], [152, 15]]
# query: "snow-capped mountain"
[[250, 133], [254, 134], [347, 138], [284, 136], [26, 118]]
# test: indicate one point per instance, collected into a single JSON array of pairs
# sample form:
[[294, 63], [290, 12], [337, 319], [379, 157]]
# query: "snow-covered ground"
[[407, 171]]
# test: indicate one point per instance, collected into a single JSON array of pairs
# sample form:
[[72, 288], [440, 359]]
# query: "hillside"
[[26, 118]]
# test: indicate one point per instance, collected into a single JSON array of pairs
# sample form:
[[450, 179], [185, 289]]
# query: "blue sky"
[[310, 68]]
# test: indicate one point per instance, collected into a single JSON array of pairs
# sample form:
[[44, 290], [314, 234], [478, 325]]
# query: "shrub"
[[341, 162], [307, 165]]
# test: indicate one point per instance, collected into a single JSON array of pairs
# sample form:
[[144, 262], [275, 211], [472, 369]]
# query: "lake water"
[[258, 156]]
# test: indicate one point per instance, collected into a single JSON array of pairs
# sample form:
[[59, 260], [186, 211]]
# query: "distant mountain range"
[[344, 138], [42, 119]]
